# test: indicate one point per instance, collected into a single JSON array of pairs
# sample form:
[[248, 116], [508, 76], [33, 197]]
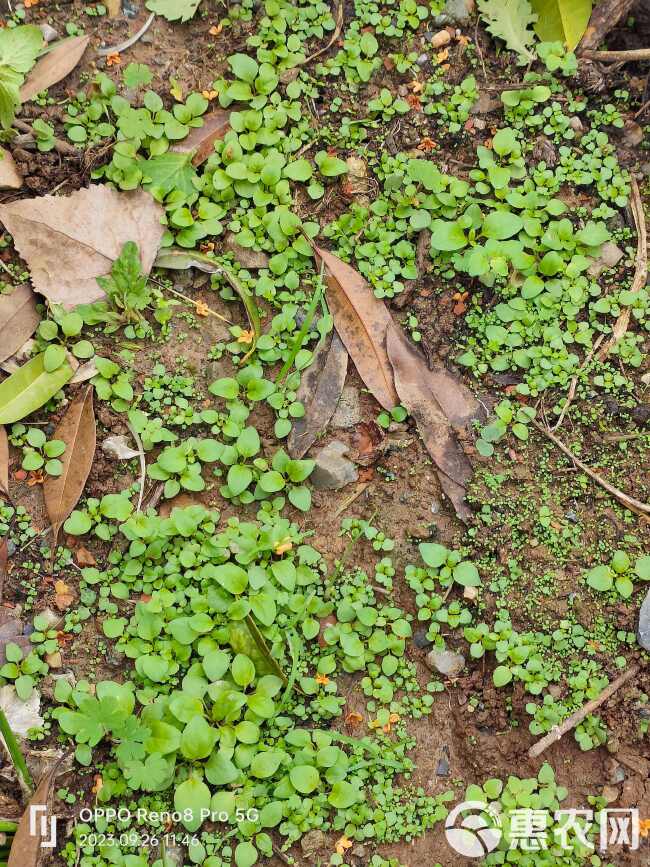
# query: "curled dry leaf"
[[436, 402], [320, 389], [18, 319], [117, 447], [68, 241], [78, 431], [4, 463], [202, 138], [64, 596], [54, 66], [10, 177], [361, 320], [26, 849]]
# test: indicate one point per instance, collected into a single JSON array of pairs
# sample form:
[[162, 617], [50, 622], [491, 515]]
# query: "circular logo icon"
[[473, 835]]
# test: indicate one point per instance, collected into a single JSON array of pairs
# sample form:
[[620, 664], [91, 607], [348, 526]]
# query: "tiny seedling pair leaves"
[[69, 241], [18, 319], [77, 430], [30, 387]]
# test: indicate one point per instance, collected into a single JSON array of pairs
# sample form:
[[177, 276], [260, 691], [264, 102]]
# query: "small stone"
[[643, 629], [54, 660], [440, 39], [454, 12], [610, 255], [348, 411], [422, 60], [312, 843], [485, 103], [446, 662], [641, 413], [49, 33], [217, 370], [571, 516], [470, 593], [420, 639], [442, 768], [333, 470], [610, 794], [632, 133], [645, 168], [576, 124]]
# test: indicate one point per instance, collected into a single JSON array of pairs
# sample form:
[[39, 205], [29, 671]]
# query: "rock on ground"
[[333, 470]]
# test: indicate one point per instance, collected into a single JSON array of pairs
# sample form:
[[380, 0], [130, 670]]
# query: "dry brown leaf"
[[84, 557], [64, 596], [361, 320], [54, 66], [26, 849], [78, 432], [68, 241], [4, 463], [10, 177], [18, 319], [180, 501], [246, 257], [418, 392], [319, 392], [202, 138]]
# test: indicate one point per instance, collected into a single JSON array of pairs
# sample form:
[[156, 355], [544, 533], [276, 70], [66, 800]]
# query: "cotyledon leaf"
[[77, 430], [30, 387]]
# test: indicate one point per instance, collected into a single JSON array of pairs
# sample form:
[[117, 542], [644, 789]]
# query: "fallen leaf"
[[78, 431], [54, 66], [353, 718], [117, 447], [4, 463], [84, 372], [84, 557], [68, 241], [12, 631], [27, 848], [64, 596], [29, 388], [180, 501], [361, 320], [246, 257], [202, 138], [342, 844], [21, 715], [10, 177], [18, 319], [436, 400], [319, 392]]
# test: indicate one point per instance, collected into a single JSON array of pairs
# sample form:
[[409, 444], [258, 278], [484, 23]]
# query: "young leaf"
[[30, 387], [174, 10], [562, 20], [510, 20], [77, 430]]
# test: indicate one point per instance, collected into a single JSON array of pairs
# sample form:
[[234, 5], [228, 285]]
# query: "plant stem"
[[13, 747]]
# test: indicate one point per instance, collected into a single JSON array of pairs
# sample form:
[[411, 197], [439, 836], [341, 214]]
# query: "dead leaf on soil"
[[361, 320], [18, 319], [26, 849], [78, 431], [54, 66], [10, 177], [84, 557], [202, 138], [180, 501], [117, 447], [4, 463], [245, 256], [12, 631], [436, 401], [319, 392], [68, 241], [64, 596]]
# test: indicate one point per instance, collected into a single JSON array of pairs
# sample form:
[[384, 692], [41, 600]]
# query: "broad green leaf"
[[190, 799], [562, 20], [304, 778], [29, 388], [510, 20], [174, 10]]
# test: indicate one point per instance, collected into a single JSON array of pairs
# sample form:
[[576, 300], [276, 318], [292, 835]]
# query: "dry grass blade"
[[78, 431], [640, 271], [624, 499], [319, 392], [4, 463], [18, 319], [54, 66], [416, 391], [574, 381], [26, 849], [362, 321]]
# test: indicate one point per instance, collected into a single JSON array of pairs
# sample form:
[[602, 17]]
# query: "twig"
[[334, 37], [143, 465], [605, 16], [61, 147], [123, 46], [191, 301], [640, 271], [574, 381], [629, 502], [557, 731], [349, 500], [617, 56]]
